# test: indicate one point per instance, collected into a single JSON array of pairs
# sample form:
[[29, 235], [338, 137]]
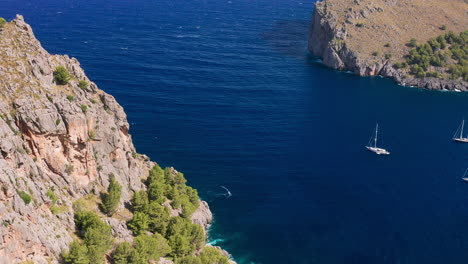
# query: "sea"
[[226, 92]]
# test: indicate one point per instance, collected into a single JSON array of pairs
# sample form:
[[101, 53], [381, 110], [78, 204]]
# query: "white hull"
[[378, 151], [465, 179], [462, 140]]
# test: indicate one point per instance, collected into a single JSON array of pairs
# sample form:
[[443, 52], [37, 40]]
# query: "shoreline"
[[319, 61], [339, 34]]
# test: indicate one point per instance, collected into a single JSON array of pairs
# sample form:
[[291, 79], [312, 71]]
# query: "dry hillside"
[[356, 35]]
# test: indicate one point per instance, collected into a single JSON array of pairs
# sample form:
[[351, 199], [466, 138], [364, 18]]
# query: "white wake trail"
[[228, 194]]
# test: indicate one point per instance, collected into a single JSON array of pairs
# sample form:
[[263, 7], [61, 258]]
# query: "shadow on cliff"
[[289, 37]]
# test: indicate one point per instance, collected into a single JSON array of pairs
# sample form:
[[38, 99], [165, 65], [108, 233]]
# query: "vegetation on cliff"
[[381, 37], [111, 199], [61, 75], [2, 22], [161, 225], [96, 240], [443, 57], [64, 142], [166, 191]]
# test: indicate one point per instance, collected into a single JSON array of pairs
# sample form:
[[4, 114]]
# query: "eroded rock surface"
[[57, 137]]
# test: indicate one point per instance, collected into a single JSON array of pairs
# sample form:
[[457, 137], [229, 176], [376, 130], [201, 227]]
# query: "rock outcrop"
[[66, 138], [356, 35]]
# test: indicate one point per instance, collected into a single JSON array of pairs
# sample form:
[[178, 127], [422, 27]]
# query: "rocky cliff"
[[66, 138], [357, 35]]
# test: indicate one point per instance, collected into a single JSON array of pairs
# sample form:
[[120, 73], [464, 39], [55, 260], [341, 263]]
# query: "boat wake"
[[228, 193], [216, 241]]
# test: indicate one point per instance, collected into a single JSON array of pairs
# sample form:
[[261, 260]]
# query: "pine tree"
[[78, 254], [111, 200], [139, 223], [123, 253]]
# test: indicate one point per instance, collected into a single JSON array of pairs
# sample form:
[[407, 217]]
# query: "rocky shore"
[[357, 35], [67, 138]]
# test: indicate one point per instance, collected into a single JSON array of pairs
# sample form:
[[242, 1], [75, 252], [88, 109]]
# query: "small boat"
[[374, 148], [458, 137], [465, 178]]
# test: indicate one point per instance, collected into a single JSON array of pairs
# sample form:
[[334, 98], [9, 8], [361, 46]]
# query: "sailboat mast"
[[376, 131], [461, 132]]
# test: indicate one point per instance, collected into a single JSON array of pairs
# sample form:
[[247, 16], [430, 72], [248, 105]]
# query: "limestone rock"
[[57, 137], [202, 216]]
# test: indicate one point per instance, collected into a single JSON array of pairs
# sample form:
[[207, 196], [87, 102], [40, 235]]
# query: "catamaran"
[[459, 133], [374, 148]]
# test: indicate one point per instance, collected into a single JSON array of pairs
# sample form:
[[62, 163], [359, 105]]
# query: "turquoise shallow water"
[[226, 92]]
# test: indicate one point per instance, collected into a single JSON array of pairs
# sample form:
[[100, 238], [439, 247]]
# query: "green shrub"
[[96, 235], [98, 239], [418, 71], [156, 192], [61, 75], [83, 84], [156, 174], [189, 260], [124, 253], [151, 247], [388, 56], [139, 224], [176, 235], [2, 22], [25, 196], [180, 246], [184, 237], [412, 43], [211, 255], [359, 25], [447, 51], [159, 217], [192, 195], [434, 74], [187, 208], [146, 248], [70, 98], [375, 53], [140, 201], [84, 108], [54, 210], [111, 199], [91, 134], [77, 254], [443, 27], [387, 45], [435, 44], [457, 71], [87, 219], [52, 196]]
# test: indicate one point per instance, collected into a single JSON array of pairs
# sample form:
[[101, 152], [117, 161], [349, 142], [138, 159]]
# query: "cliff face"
[[347, 35], [64, 138]]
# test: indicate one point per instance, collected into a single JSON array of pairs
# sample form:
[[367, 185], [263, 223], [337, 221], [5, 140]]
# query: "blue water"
[[226, 92]]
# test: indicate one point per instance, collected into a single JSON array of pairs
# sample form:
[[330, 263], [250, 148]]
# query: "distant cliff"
[[61, 138], [374, 37]]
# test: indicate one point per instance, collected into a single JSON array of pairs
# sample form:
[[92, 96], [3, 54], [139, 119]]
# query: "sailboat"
[[464, 176], [374, 148], [459, 133]]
